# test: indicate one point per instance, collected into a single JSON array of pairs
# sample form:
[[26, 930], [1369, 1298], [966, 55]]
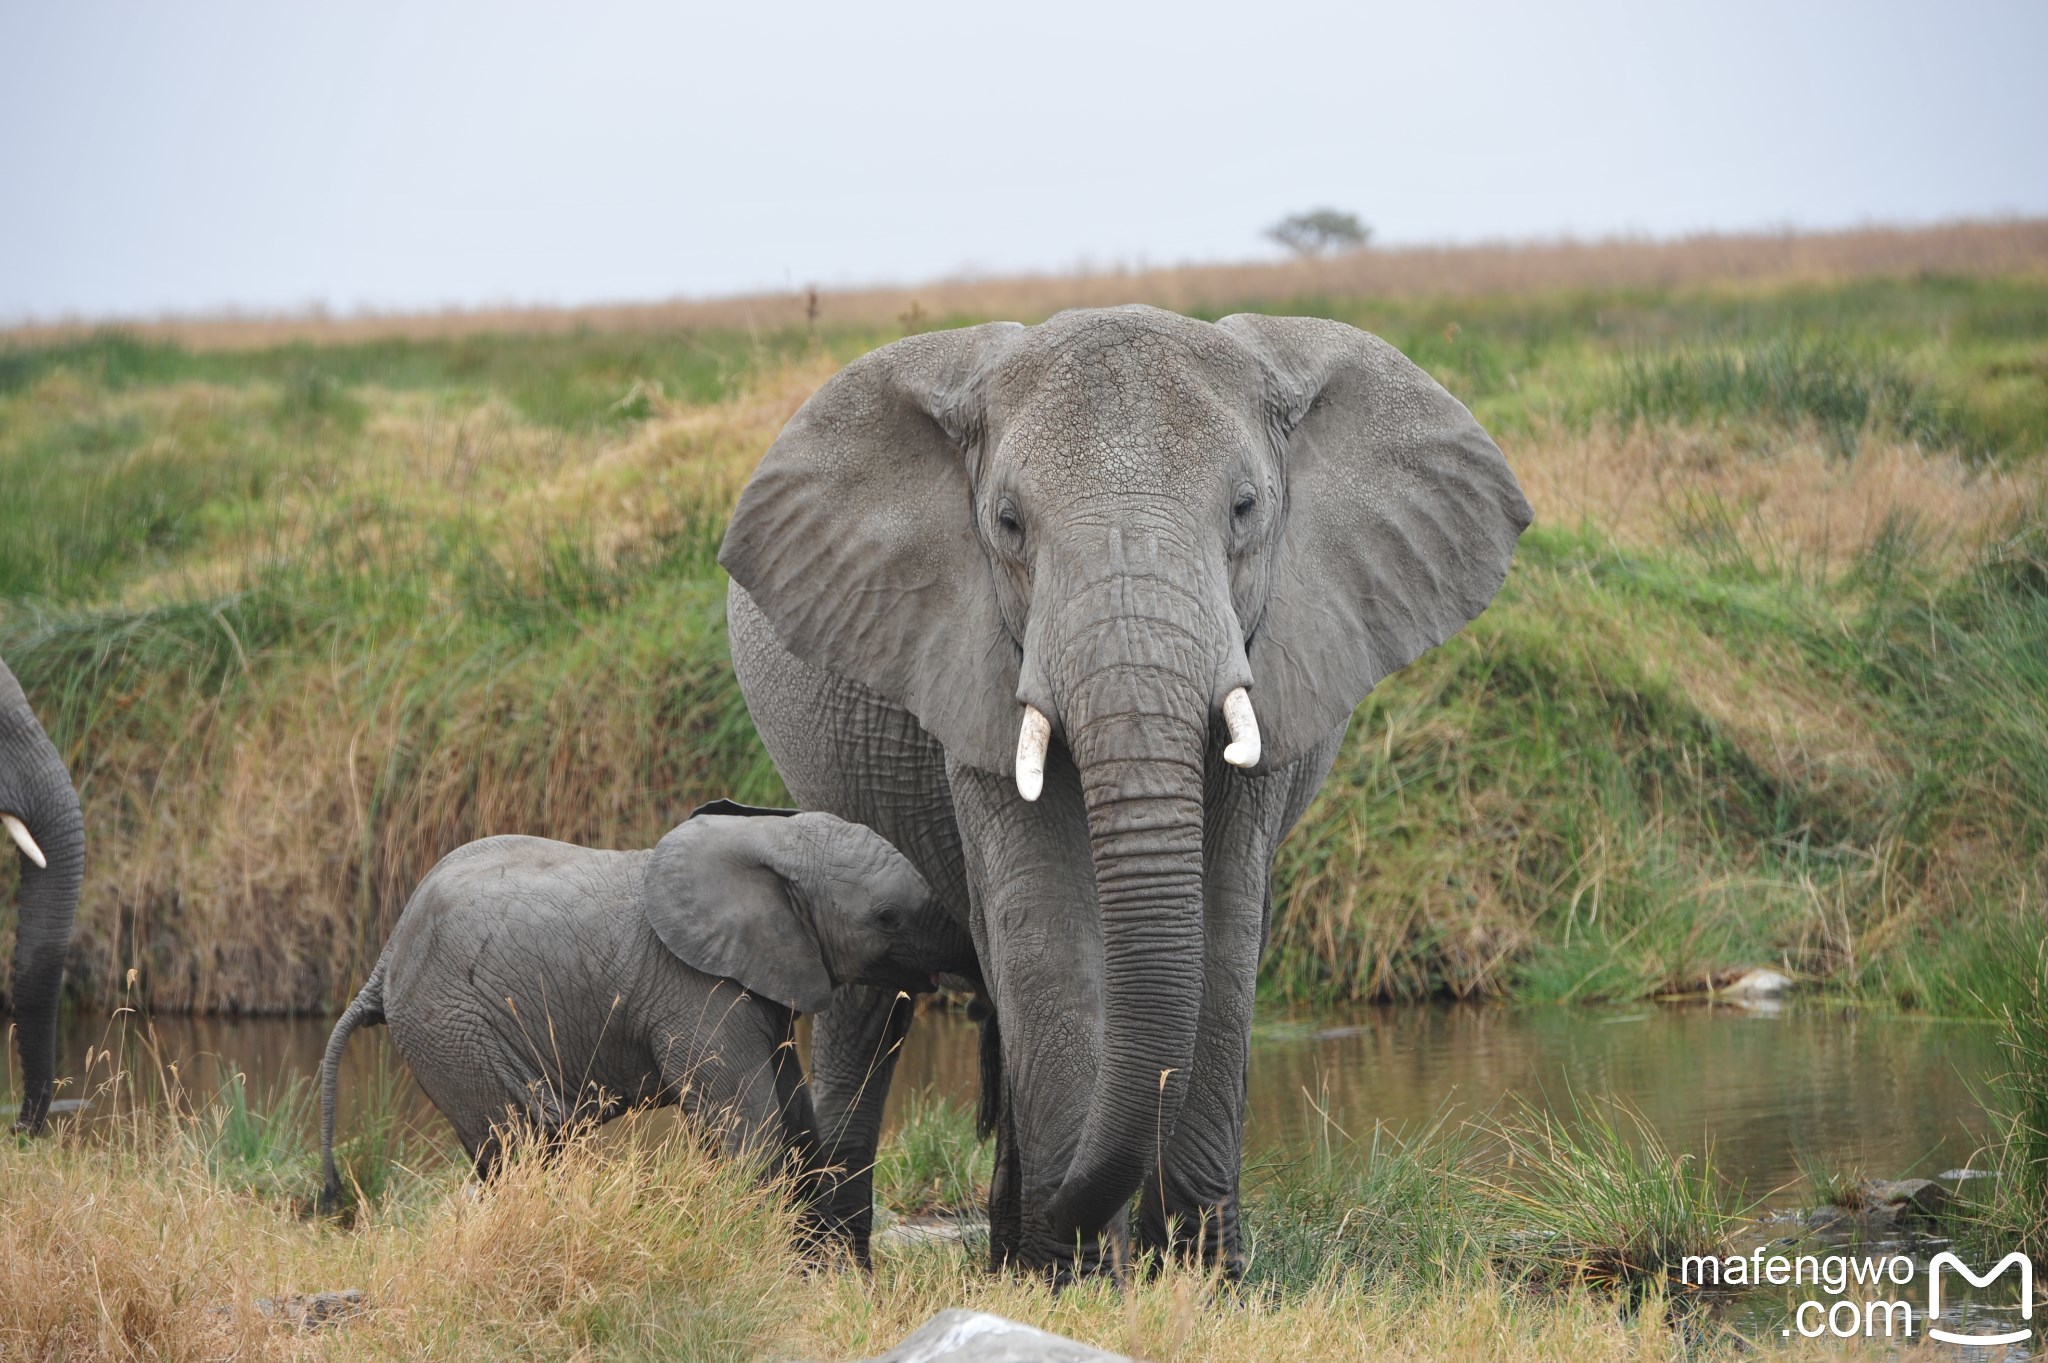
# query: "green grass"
[[2012, 1213], [1825, 1183], [1781, 381], [1390, 1209], [304, 618], [1560, 805], [1968, 350], [1593, 1195], [579, 379], [933, 1161], [378, 1149], [1586, 1197]]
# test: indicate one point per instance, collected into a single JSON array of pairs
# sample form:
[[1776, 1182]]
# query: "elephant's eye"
[[1006, 517], [888, 918], [1246, 504]]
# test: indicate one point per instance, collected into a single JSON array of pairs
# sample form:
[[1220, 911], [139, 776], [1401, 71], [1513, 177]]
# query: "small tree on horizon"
[[1320, 230]]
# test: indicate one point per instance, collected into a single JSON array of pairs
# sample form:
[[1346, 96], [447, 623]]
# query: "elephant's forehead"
[[1128, 399]]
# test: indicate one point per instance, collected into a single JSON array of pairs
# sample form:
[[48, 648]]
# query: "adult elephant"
[[39, 810], [1075, 615]]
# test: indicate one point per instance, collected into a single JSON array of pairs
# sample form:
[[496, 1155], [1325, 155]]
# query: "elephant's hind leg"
[[491, 1131]]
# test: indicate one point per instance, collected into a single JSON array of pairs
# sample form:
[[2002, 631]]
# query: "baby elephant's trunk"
[[366, 1010]]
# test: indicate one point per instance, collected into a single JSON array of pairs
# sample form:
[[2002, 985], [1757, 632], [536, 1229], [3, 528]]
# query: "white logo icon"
[[2026, 1267]]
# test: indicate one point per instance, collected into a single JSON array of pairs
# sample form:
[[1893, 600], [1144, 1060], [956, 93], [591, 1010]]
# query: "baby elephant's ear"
[[713, 897]]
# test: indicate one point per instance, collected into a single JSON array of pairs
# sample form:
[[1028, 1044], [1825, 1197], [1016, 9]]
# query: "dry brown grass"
[[251, 860], [2012, 247], [683, 455], [1793, 503], [639, 1248]]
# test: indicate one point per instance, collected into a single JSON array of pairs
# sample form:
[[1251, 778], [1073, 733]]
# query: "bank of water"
[[1771, 1091]]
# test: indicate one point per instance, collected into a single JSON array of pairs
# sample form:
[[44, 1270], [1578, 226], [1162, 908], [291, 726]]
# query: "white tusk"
[[18, 830], [1032, 737], [1243, 750]]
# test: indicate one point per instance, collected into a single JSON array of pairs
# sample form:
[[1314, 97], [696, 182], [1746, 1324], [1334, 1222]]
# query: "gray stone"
[[944, 1228], [961, 1336], [312, 1310], [1904, 1199]]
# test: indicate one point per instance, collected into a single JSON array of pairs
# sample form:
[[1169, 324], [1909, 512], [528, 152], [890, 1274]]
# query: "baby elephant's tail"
[[366, 1010]]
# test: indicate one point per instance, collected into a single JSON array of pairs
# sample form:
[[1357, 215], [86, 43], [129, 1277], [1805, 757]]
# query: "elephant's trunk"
[[1136, 724], [49, 901]]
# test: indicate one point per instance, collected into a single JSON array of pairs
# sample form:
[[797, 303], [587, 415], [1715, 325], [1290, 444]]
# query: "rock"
[[1760, 982], [1826, 1218], [1904, 1200], [961, 1336], [312, 1310], [944, 1228]]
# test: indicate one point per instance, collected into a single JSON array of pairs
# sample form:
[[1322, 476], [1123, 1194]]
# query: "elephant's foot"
[[823, 1246], [1005, 1196], [1061, 1260], [838, 1228], [1061, 1265], [1206, 1237]]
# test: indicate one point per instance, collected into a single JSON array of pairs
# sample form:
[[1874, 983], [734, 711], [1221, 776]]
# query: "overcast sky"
[[188, 156]]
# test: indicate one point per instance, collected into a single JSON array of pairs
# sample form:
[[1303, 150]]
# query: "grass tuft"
[[933, 1161], [2016, 1213], [1785, 380], [1824, 1183], [1597, 1198], [258, 1146], [1394, 1210]]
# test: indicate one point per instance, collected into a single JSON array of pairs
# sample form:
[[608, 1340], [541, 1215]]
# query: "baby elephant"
[[540, 984]]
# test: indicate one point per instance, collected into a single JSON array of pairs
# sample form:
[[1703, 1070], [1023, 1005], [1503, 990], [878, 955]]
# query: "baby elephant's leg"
[[499, 1109]]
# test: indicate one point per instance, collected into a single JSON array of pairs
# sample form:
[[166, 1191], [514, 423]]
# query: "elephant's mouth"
[[1034, 735]]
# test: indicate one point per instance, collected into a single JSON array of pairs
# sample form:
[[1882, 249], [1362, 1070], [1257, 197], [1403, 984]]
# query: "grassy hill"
[[1767, 684]]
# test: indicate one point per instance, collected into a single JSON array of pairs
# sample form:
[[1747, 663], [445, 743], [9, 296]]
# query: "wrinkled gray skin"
[[1116, 516], [35, 788], [541, 984]]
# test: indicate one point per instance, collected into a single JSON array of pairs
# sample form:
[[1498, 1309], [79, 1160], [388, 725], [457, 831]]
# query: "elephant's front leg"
[[1189, 1207], [854, 1048]]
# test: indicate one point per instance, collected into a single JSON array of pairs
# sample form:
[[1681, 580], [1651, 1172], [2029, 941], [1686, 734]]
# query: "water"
[[1886, 1096], [1894, 1097]]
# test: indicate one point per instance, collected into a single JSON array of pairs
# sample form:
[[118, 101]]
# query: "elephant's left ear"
[[713, 896], [1401, 518]]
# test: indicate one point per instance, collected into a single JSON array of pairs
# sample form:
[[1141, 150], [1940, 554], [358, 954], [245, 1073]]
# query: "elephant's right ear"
[[714, 898], [856, 539]]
